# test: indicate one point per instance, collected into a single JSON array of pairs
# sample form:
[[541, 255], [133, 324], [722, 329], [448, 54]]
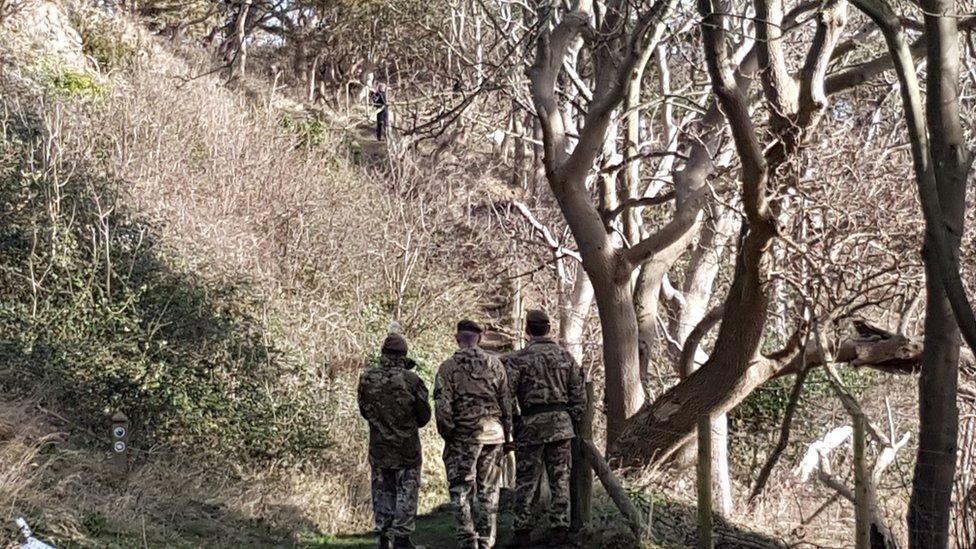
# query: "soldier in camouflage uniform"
[[548, 387], [473, 410], [394, 402]]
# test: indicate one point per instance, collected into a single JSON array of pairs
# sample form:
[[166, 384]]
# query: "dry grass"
[[70, 493], [330, 250]]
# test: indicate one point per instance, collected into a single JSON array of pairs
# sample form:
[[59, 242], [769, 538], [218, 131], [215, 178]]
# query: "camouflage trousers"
[[557, 459], [395, 500], [474, 475]]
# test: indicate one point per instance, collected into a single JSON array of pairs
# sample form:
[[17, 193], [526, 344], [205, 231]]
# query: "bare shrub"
[[306, 255], [8, 8]]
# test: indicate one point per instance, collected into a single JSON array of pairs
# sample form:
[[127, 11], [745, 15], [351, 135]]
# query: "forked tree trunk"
[[568, 167], [940, 171], [735, 367], [731, 374], [624, 394]]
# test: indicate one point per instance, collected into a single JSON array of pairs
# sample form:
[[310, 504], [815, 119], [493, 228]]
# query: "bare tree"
[[616, 54], [795, 103], [941, 165]]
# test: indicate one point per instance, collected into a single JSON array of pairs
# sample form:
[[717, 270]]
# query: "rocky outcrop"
[[41, 31]]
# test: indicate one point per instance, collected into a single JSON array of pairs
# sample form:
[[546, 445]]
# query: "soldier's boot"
[[384, 542], [520, 538]]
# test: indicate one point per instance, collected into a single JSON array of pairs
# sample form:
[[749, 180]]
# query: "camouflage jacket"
[[549, 389], [394, 402], [472, 399]]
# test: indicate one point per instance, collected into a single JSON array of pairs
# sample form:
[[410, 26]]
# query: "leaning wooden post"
[[581, 478], [862, 507], [613, 487], [705, 482]]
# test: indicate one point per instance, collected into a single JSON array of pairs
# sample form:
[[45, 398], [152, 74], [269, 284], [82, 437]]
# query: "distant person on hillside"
[[548, 387], [378, 99], [473, 408], [394, 401]]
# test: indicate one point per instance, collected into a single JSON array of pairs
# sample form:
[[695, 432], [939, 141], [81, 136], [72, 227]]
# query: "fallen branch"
[[880, 534]]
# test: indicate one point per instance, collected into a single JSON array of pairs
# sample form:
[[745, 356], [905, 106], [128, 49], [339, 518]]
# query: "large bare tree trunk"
[[567, 170], [930, 507], [940, 171], [624, 394], [731, 374], [724, 380]]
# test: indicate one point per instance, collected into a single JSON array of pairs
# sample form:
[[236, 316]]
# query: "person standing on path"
[[473, 410], [393, 399], [550, 393], [383, 114]]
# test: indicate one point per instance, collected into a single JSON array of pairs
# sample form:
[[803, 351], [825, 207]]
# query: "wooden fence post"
[[862, 505], [581, 477], [705, 482], [614, 489], [120, 443]]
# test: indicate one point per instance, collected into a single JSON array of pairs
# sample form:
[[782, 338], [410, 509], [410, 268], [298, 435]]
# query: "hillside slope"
[[209, 261]]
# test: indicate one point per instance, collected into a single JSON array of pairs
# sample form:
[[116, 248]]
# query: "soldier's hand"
[[509, 446]]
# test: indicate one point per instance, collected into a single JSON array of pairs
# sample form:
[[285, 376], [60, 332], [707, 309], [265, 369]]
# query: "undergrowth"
[[97, 314], [173, 250]]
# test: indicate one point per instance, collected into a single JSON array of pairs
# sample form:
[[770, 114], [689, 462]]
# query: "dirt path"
[[435, 530]]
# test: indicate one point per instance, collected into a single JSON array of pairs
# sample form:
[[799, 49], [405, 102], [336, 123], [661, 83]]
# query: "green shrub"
[[66, 82], [105, 40], [77, 84], [97, 316], [311, 131]]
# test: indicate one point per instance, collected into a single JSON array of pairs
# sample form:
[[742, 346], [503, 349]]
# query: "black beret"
[[394, 344], [536, 316], [469, 326]]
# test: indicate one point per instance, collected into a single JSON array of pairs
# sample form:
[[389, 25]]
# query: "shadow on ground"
[[435, 530], [673, 526]]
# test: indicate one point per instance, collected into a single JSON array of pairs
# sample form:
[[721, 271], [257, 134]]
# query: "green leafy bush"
[[78, 84], [106, 40], [97, 316], [310, 130], [66, 82]]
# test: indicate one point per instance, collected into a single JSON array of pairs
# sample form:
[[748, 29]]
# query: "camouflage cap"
[[470, 326], [394, 344], [537, 316]]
